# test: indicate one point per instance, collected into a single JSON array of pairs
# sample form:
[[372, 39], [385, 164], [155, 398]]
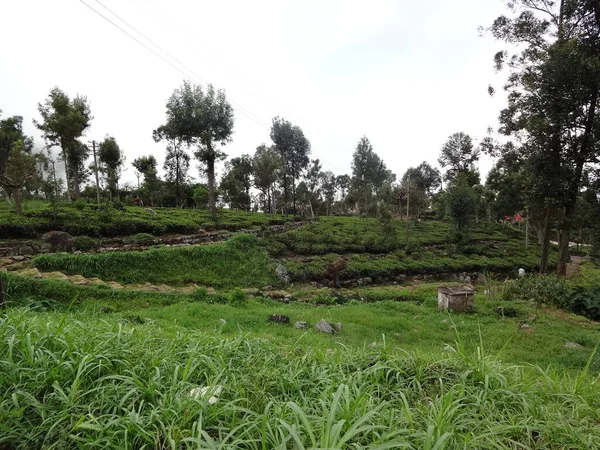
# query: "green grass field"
[[94, 367], [84, 382]]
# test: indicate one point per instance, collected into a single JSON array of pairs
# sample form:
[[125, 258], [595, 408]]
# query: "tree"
[[111, 157], [506, 182], [369, 173], [329, 186], [237, 181], [19, 167], [294, 149], [267, 167], [425, 177], [459, 156], [553, 105], [461, 202], [152, 186], [63, 122], [202, 120], [177, 161]]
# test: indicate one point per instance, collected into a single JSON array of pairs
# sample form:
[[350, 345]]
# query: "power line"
[[237, 106]]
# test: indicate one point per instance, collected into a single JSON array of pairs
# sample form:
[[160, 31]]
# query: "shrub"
[[242, 241], [85, 243], [548, 289], [143, 238], [237, 298], [200, 294], [586, 302], [79, 205], [118, 205]]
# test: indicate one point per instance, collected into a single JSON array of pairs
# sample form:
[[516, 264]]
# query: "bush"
[[586, 302], [238, 298], [85, 243], [143, 238], [79, 205], [242, 241], [548, 289]]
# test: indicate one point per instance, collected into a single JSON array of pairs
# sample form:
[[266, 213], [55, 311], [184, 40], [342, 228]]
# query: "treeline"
[[546, 168]]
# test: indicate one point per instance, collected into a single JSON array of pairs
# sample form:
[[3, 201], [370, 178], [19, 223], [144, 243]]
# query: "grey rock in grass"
[[279, 318], [282, 273], [18, 258], [573, 345], [524, 326], [324, 326], [26, 250], [59, 240], [301, 324]]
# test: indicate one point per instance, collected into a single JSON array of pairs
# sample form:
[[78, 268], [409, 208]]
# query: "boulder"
[[277, 295], [26, 250], [573, 345], [5, 261], [32, 273], [16, 266], [59, 241], [324, 327], [282, 273], [301, 324], [279, 318]]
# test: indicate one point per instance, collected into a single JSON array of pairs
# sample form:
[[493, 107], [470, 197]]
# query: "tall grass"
[[92, 383], [239, 262]]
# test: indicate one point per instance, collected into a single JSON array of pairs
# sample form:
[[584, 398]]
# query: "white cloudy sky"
[[405, 73]]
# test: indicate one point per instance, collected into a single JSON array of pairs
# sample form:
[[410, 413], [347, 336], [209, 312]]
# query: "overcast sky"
[[406, 74]]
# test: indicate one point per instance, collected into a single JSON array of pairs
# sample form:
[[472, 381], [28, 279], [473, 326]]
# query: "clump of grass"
[[239, 262], [89, 383]]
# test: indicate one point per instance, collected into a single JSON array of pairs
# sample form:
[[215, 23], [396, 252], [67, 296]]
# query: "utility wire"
[[237, 106]]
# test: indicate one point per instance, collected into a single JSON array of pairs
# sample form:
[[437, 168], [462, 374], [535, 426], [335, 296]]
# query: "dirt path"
[[573, 266]]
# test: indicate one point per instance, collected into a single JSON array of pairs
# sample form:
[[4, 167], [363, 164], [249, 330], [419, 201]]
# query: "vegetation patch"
[[239, 262], [128, 385]]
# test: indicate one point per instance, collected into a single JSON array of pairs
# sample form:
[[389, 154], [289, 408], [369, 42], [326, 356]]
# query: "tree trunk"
[[67, 178], [18, 200], [546, 240], [270, 210], [210, 166]]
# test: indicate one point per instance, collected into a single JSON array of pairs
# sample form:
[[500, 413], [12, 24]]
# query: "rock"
[[114, 285], [55, 276], [251, 291], [16, 266], [32, 273], [338, 326], [301, 324], [364, 281], [282, 273], [18, 258], [573, 345], [59, 240], [81, 283], [26, 250], [521, 272], [323, 326], [212, 392], [46, 246], [524, 326], [277, 295], [279, 318], [5, 261], [401, 278]]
